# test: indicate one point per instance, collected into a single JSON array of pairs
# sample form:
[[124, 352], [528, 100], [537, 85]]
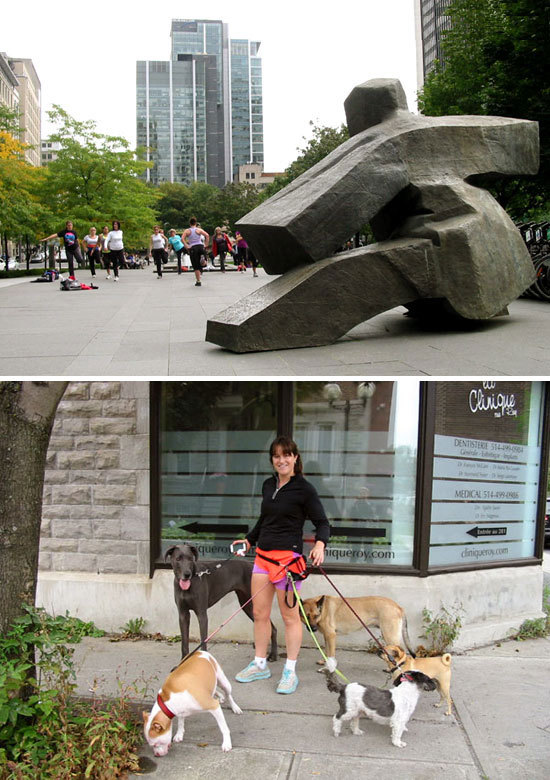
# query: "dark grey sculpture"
[[443, 244]]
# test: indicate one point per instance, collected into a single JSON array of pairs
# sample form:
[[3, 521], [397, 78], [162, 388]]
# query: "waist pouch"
[[284, 562]]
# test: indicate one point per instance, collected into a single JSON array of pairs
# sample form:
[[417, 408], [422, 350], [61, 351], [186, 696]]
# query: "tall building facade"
[[199, 115], [9, 86], [431, 20], [29, 107], [246, 104]]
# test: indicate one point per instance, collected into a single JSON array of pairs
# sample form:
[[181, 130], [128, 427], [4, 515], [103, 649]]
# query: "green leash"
[[306, 621]]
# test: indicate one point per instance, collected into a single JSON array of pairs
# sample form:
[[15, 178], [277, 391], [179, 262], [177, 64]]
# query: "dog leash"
[[391, 661], [225, 622], [306, 621]]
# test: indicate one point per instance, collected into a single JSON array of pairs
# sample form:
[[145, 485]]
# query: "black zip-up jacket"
[[284, 513]]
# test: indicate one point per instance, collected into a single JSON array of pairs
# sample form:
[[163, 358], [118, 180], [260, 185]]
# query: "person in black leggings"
[[91, 245], [71, 244], [157, 247]]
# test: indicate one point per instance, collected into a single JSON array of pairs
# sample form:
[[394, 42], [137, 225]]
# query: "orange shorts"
[[275, 571]]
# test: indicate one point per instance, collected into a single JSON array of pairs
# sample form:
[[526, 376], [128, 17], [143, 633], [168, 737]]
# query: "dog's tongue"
[[185, 584]]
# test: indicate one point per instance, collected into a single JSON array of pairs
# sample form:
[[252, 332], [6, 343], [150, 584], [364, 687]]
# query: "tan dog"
[[191, 687], [332, 616], [437, 667]]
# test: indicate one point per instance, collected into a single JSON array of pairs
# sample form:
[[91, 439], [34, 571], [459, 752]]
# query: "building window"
[[487, 456], [214, 440], [422, 477], [358, 442], [359, 445]]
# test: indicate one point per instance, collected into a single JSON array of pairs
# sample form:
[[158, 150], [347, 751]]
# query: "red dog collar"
[[164, 708]]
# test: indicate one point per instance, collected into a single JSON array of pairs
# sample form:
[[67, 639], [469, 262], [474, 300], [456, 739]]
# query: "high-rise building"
[[431, 20], [246, 104], [199, 114], [29, 107]]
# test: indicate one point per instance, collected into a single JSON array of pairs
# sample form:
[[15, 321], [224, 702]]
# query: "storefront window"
[[487, 455], [359, 448], [214, 444]]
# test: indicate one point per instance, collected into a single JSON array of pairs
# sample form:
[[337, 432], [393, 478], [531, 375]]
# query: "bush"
[[442, 629], [41, 723]]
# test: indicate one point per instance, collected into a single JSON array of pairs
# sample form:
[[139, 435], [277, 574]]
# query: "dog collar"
[[164, 708]]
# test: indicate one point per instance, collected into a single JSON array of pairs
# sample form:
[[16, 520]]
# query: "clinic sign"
[[487, 399], [486, 467]]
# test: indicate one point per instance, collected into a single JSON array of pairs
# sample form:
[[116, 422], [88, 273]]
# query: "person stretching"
[[71, 244], [197, 250]]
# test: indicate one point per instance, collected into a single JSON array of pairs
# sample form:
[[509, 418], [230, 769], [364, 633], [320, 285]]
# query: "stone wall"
[[96, 492]]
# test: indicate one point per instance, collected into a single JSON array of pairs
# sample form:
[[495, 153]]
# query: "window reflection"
[[359, 444]]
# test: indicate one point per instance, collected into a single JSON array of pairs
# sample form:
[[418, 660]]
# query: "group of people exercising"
[[107, 249]]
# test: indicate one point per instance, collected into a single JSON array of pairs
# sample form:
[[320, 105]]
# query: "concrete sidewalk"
[[499, 729], [148, 327]]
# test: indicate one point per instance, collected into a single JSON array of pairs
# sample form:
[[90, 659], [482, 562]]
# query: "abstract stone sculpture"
[[443, 244]]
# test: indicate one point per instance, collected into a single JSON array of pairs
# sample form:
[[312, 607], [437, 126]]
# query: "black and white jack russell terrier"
[[392, 707]]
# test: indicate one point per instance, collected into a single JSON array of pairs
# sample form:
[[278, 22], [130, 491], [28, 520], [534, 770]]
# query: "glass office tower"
[[246, 103], [200, 114], [431, 21]]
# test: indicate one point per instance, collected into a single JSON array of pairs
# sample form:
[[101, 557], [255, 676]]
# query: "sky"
[[313, 54]]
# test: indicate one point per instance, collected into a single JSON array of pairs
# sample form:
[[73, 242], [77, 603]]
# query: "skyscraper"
[[431, 20], [246, 104], [200, 113]]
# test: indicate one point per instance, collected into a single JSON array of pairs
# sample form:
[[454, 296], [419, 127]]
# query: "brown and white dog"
[[189, 688], [332, 616], [437, 667]]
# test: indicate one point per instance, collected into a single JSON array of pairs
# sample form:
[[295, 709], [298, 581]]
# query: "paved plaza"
[[149, 327]]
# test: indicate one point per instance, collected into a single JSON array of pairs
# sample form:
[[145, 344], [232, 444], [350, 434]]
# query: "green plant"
[[442, 629], [42, 724], [133, 628], [538, 627]]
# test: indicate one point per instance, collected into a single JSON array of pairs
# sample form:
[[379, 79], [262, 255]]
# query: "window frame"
[[424, 480]]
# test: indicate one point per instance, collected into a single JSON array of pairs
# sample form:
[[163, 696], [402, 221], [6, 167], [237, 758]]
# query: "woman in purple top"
[[244, 254]]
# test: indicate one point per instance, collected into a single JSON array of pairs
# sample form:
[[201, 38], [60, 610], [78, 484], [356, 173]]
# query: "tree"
[[324, 141], [497, 62], [27, 411], [234, 201], [211, 205], [95, 179], [20, 208]]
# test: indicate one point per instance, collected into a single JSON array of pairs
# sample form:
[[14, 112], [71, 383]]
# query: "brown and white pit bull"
[[332, 616], [189, 688]]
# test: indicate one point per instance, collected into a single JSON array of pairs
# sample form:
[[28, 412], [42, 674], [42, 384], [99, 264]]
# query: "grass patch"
[[539, 627]]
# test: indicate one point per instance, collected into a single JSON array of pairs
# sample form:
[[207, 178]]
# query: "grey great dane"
[[198, 586]]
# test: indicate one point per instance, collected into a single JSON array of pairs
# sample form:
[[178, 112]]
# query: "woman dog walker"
[[288, 499]]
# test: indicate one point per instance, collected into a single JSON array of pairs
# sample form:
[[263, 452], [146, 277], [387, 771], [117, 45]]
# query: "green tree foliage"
[[95, 180], [19, 205], [324, 141], [9, 121], [210, 205], [497, 62]]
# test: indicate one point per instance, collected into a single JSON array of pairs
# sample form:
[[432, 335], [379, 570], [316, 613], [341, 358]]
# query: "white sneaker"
[[115, 279], [108, 276]]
